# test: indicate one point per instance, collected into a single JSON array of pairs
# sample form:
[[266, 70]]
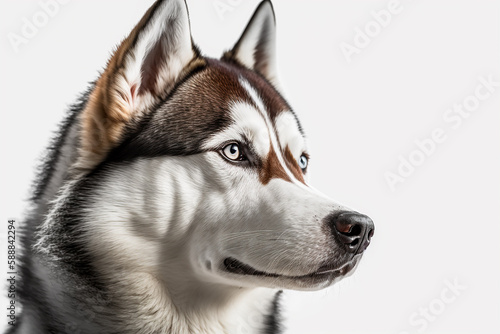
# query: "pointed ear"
[[256, 48], [142, 71]]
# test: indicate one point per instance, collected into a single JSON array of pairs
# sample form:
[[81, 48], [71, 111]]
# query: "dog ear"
[[143, 70], [256, 48]]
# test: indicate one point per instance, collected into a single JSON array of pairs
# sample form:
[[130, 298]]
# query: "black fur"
[[273, 319], [30, 290], [46, 170]]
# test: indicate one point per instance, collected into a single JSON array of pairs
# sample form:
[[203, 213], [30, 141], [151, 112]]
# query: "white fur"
[[248, 123], [289, 134]]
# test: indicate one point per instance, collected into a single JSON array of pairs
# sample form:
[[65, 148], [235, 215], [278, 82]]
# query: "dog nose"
[[353, 229]]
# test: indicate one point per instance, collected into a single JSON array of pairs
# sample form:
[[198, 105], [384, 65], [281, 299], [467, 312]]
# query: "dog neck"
[[141, 303], [146, 304]]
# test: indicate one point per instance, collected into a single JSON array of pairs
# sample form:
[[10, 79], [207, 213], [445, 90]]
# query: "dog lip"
[[236, 267], [342, 270]]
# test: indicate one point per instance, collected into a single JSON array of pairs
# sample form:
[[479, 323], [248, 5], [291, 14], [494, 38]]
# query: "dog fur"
[[142, 219]]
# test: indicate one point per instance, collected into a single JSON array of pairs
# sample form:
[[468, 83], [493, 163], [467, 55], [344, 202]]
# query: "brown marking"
[[270, 96], [293, 165], [271, 168], [207, 96]]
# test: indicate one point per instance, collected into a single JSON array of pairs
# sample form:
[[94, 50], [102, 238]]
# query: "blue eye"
[[303, 162]]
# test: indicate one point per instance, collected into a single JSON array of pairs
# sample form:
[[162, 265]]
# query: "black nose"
[[352, 229]]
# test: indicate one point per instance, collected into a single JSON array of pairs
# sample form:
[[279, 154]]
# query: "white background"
[[441, 224]]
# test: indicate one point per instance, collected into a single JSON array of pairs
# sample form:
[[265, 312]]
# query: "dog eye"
[[233, 152], [303, 162]]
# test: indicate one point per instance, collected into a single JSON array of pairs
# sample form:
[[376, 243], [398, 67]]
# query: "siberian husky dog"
[[175, 199]]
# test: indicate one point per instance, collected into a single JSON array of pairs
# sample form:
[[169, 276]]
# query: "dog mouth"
[[234, 266]]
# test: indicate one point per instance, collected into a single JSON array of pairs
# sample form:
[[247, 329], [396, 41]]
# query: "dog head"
[[203, 164]]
